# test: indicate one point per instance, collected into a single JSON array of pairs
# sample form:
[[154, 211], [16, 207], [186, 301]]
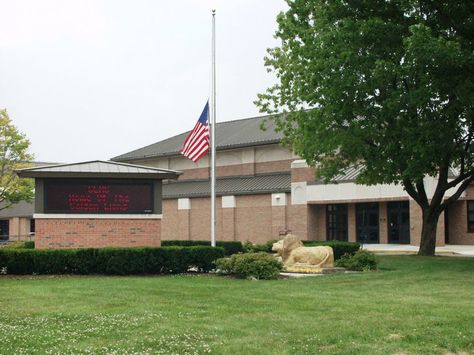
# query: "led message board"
[[98, 197]]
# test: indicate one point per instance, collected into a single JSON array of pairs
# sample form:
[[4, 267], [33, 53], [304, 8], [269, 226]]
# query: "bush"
[[113, 261], [230, 247], [261, 266], [362, 260], [19, 245], [339, 247], [249, 247]]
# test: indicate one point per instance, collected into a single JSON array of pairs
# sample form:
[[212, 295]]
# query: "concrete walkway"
[[400, 249]]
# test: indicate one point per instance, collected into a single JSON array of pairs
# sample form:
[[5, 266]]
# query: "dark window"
[[32, 225], [367, 222], [4, 229], [470, 216], [336, 222], [398, 221]]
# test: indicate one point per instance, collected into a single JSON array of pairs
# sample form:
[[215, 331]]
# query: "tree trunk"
[[428, 232]]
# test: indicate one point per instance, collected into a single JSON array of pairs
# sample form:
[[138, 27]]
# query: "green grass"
[[412, 305]]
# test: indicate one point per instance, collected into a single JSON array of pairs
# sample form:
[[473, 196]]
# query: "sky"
[[93, 79]]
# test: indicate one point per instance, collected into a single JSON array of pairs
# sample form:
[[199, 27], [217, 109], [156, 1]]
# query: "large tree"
[[13, 155], [387, 86]]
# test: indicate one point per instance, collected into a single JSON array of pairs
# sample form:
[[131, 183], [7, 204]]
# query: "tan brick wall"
[[253, 218], [19, 228], [298, 221], [273, 166], [302, 174], [96, 233], [228, 224], [279, 221], [457, 221], [238, 170]]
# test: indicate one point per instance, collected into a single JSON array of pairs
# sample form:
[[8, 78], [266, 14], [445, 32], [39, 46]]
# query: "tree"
[[13, 155], [387, 86]]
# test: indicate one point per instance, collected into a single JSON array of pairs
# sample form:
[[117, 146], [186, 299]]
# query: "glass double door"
[[367, 222], [398, 220]]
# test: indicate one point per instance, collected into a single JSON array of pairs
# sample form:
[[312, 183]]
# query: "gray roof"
[[241, 185], [231, 134], [99, 168], [20, 209], [351, 174]]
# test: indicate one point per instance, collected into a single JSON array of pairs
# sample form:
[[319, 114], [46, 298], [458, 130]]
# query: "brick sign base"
[[54, 233]]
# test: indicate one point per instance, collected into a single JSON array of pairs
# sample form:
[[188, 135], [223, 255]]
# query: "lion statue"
[[293, 253]]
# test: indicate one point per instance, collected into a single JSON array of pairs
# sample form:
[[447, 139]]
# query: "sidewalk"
[[401, 249]]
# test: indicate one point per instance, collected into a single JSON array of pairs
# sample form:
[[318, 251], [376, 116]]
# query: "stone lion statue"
[[293, 253]]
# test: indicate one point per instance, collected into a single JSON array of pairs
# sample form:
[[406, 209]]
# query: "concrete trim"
[[228, 201], [299, 164], [279, 199], [95, 216], [184, 204]]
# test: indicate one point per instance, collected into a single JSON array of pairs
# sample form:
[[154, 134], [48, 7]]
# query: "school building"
[[264, 190]]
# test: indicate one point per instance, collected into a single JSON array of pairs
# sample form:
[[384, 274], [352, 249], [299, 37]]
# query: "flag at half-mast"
[[196, 144]]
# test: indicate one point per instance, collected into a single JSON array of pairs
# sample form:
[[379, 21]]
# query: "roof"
[[230, 134], [350, 175], [241, 185], [98, 169], [20, 209]]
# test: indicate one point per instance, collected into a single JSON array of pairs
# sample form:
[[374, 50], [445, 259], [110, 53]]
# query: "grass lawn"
[[412, 305]]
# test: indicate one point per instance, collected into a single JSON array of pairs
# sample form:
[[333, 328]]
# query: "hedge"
[[339, 247], [229, 247], [112, 261]]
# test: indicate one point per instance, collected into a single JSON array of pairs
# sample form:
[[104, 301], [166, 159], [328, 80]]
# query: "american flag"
[[196, 144]]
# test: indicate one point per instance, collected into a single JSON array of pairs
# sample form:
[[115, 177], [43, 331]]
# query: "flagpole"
[[213, 134]]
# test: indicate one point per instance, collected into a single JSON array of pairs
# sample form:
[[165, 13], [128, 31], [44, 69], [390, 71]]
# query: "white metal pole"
[[213, 134]]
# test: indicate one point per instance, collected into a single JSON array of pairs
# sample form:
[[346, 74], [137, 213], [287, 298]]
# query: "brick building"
[[263, 190]]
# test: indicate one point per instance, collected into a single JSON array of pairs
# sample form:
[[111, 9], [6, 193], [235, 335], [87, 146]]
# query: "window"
[[336, 222], [32, 225], [470, 216]]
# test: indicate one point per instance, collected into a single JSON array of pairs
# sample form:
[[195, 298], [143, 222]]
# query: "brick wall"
[[96, 233], [253, 218], [238, 170], [457, 222]]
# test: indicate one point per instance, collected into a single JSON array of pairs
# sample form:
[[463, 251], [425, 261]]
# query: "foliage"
[[20, 245], [13, 155], [249, 247], [113, 261], [339, 247], [383, 86], [230, 247], [362, 260], [261, 266]]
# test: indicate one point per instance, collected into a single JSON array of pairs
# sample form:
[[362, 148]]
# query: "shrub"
[[29, 245], [19, 245], [249, 247], [230, 247], [258, 265], [362, 260], [113, 261], [339, 247]]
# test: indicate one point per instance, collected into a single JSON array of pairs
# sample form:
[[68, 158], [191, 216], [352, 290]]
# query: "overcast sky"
[[92, 79]]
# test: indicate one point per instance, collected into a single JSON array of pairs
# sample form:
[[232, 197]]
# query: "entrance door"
[[4, 229], [367, 222], [398, 220]]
